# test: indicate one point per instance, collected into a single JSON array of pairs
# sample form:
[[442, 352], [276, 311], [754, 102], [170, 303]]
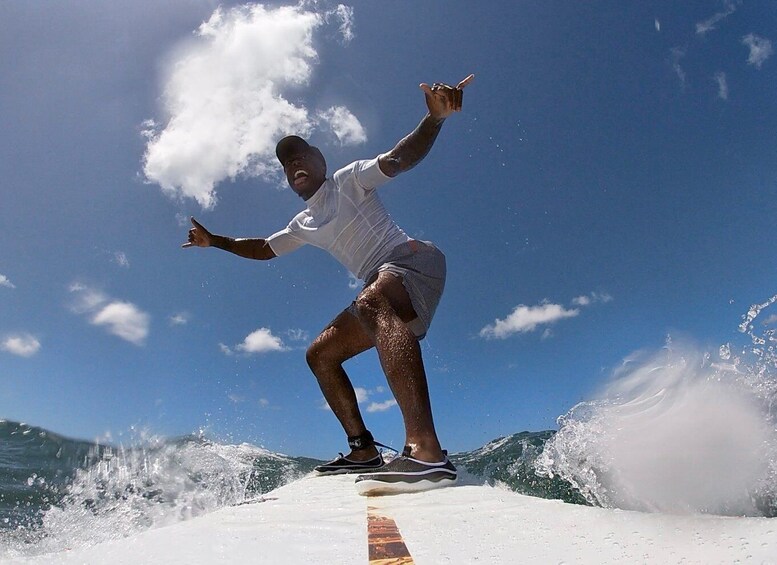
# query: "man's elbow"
[[264, 252], [390, 165]]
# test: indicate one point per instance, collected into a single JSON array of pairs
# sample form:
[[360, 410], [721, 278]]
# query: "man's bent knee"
[[369, 305], [312, 356], [318, 354]]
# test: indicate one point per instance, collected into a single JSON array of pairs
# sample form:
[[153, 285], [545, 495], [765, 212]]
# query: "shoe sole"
[[348, 471], [376, 487]]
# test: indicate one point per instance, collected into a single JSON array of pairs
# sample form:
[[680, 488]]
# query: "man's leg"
[[384, 307], [342, 339]]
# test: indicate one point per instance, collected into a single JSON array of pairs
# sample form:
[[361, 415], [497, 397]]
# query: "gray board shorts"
[[421, 266]]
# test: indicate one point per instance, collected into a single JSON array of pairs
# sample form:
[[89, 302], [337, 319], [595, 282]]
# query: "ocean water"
[[682, 430], [57, 493]]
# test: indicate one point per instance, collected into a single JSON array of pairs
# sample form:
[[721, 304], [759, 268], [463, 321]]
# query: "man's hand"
[[442, 99], [198, 236]]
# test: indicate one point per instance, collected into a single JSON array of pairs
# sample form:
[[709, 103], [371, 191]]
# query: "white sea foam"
[[156, 484], [678, 431]]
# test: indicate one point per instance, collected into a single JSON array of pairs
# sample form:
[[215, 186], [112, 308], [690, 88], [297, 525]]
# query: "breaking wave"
[[680, 430], [58, 494]]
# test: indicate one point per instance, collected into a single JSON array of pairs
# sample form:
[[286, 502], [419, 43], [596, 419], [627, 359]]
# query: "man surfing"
[[404, 280]]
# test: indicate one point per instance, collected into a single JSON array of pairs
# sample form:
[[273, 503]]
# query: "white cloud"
[[125, 320], [381, 406], [362, 394], [179, 319], [344, 14], [581, 301], [657, 24], [87, 299], [23, 345], [720, 79], [120, 258], [363, 397], [710, 23], [525, 319], [344, 124], [226, 93], [770, 320], [235, 398], [760, 49], [588, 299], [261, 341], [5, 282], [120, 318], [298, 335], [677, 55]]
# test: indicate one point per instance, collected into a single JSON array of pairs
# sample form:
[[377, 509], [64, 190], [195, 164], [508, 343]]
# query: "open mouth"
[[300, 177]]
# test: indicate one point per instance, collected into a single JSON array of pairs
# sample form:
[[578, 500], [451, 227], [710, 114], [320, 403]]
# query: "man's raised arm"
[[253, 248], [442, 100]]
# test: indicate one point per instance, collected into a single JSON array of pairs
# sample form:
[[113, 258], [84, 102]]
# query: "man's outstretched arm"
[[441, 100], [253, 248]]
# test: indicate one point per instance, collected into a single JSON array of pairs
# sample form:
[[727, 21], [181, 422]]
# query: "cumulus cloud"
[[125, 320], [23, 345], [720, 79], [227, 95], [760, 49], [261, 341], [525, 319], [729, 7], [381, 406], [344, 125], [87, 299], [5, 282], [363, 396], [120, 318]]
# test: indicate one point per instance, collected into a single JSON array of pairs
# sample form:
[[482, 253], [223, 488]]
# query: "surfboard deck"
[[323, 520]]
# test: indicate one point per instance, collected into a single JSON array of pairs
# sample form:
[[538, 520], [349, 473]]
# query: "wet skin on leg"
[[341, 340], [383, 308]]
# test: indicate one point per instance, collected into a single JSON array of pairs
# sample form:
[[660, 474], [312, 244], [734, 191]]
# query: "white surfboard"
[[324, 520]]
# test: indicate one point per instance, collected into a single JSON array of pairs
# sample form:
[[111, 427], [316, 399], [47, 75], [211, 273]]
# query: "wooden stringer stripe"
[[385, 543]]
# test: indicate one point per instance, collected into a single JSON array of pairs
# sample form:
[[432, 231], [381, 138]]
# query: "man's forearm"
[[413, 147], [250, 248]]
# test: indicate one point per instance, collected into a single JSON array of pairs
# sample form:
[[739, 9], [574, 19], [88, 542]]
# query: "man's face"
[[305, 172]]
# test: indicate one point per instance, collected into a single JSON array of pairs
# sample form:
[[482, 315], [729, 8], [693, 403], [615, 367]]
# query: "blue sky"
[[611, 180]]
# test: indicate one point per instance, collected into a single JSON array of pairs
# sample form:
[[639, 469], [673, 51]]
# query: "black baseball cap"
[[290, 145]]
